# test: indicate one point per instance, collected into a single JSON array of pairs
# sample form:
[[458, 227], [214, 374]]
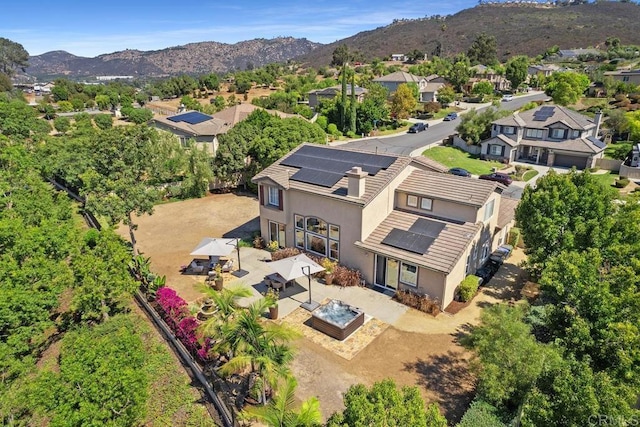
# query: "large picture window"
[[488, 210], [495, 150], [557, 133], [317, 236], [409, 274], [534, 133]]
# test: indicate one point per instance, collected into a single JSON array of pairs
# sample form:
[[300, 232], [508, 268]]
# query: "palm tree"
[[226, 302], [262, 348], [280, 413]]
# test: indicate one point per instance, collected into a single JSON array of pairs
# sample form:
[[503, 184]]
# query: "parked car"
[[500, 177], [418, 127], [450, 116], [459, 172], [487, 271], [507, 98]]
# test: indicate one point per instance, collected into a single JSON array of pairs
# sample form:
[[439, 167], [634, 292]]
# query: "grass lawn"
[[453, 157], [618, 150], [529, 174], [606, 179]]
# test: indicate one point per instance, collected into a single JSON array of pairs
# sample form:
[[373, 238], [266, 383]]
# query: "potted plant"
[[272, 297], [218, 278], [329, 268]]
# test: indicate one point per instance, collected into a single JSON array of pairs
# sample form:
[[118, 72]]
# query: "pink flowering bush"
[[176, 314]]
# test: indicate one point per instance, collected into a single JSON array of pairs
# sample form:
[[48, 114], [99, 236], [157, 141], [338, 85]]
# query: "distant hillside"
[[193, 58], [519, 29]]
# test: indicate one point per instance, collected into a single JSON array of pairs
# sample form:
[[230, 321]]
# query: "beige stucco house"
[[193, 125], [625, 76], [428, 87], [402, 221], [317, 95], [549, 135]]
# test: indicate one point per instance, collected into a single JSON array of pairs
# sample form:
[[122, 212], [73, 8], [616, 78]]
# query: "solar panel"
[[595, 141], [543, 113], [317, 177], [427, 227], [192, 117], [320, 163], [355, 158], [408, 241]]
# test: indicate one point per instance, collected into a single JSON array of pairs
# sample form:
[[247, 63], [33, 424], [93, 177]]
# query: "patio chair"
[[195, 267], [227, 266]]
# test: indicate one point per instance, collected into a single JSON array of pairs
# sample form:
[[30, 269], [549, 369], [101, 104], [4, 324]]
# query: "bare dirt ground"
[[426, 355]]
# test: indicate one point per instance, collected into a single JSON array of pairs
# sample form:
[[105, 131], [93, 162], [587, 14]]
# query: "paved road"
[[408, 143]]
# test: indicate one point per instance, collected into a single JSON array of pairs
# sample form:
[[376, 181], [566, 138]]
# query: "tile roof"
[[233, 115], [457, 189], [442, 255], [211, 127], [507, 211], [582, 145], [280, 174], [572, 119], [334, 90], [431, 164], [399, 76]]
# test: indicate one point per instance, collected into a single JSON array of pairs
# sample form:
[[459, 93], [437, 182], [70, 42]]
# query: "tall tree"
[[343, 98], [460, 73], [483, 50], [403, 101], [118, 185], [516, 70], [353, 104], [567, 87], [341, 55]]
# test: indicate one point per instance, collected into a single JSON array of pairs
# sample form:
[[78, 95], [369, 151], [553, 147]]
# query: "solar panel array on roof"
[[192, 117], [427, 227], [543, 114], [317, 177], [325, 167], [408, 241], [595, 141]]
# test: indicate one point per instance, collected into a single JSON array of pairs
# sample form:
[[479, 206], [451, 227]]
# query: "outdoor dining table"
[[276, 281]]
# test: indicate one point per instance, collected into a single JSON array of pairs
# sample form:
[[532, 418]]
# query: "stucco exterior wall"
[[442, 208]]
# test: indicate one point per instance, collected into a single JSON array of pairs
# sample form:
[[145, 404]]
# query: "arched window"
[[315, 235]]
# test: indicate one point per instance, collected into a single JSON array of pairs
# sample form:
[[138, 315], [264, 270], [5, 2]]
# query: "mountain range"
[[519, 28]]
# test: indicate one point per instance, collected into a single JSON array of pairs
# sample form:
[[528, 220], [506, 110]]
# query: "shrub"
[[285, 253], [273, 246], [419, 302], [351, 134], [622, 182], [514, 237], [344, 276], [469, 287]]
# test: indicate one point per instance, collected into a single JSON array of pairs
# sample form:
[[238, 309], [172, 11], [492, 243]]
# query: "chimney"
[[598, 120], [356, 182]]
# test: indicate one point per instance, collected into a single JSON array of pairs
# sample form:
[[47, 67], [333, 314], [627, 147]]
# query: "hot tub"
[[337, 319]]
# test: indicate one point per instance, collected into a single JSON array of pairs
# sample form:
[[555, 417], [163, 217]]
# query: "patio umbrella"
[[297, 266], [213, 247]]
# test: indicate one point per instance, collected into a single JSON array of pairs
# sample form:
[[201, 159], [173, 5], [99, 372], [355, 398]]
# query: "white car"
[[507, 98]]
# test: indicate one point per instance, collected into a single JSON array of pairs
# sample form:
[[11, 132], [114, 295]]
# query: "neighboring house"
[[575, 53], [548, 135], [398, 57], [427, 86], [315, 96], [403, 222], [542, 69], [200, 127], [234, 115], [625, 76], [635, 156], [484, 73]]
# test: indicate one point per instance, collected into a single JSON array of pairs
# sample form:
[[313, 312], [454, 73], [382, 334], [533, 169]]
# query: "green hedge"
[[514, 236], [469, 287]]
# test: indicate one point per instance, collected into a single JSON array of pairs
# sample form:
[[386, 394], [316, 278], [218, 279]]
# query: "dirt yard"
[[415, 353]]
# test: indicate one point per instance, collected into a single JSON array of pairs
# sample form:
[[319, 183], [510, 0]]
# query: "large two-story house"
[[428, 87], [549, 135], [402, 221]]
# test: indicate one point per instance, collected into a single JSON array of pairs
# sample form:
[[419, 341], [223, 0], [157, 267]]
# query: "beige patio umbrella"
[[297, 266]]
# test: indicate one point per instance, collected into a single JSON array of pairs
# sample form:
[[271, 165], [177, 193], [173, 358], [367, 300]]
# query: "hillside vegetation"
[[518, 29]]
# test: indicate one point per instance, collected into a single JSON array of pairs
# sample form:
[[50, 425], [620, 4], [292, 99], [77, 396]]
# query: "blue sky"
[[91, 28]]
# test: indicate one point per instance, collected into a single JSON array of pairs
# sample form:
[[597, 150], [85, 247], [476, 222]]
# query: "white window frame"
[[576, 134], [412, 201], [427, 201], [273, 196], [534, 133], [492, 148], [554, 133], [330, 235], [488, 209], [508, 130], [406, 276]]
